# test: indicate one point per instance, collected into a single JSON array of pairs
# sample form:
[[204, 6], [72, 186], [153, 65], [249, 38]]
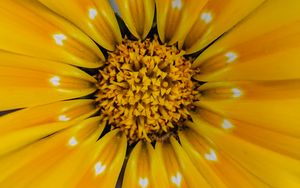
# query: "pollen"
[[146, 89]]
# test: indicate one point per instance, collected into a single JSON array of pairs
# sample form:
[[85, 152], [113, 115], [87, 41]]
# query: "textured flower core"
[[146, 89]]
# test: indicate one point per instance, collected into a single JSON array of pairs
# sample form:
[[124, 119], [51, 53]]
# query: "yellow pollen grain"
[[145, 89]]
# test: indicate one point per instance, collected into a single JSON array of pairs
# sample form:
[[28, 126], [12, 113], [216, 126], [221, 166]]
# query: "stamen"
[[145, 89]]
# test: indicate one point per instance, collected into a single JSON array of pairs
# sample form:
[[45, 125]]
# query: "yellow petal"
[[44, 34], [138, 173], [107, 158], [23, 137], [220, 171], [264, 27], [266, 138], [25, 81], [95, 18], [26, 129], [176, 17], [42, 65], [217, 17], [261, 58], [180, 170], [38, 160], [23, 91], [273, 168], [273, 105], [63, 111], [144, 168], [137, 15]]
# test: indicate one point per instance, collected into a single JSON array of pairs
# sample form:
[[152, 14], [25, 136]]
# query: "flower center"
[[146, 89]]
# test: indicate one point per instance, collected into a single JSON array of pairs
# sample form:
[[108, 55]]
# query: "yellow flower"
[[162, 93]]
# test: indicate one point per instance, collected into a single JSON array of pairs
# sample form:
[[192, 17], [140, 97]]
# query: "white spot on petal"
[[73, 141], [143, 182], [236, 92], [177, 179], [63, 118], [59, 39], [211, 156], [226, 124], [176, 4], [99, 168], [55, 80], [206, 17], [231, 56], [93, 13]]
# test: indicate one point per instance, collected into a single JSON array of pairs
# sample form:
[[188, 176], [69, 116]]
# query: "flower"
[[174, 93]]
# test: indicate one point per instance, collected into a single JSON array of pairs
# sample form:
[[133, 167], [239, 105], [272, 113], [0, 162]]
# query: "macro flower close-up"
[[150, 93]]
